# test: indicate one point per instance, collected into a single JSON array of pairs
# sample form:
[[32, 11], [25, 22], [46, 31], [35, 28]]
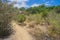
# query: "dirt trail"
[[20, 33]]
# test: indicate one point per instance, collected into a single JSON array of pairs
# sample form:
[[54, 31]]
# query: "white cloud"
[[20, 3], [47, 3], [18, 0], [17, 5], [35, 5]]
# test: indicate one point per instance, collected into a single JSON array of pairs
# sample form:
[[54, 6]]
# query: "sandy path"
[[20, 33]]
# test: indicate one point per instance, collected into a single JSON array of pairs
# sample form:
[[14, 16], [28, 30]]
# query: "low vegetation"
[[21, 18], [41, 15]]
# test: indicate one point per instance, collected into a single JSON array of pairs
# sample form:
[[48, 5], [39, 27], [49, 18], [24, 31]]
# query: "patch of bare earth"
[[32, 26]]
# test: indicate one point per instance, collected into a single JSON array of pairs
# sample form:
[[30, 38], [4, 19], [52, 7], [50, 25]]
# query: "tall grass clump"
[[55, 23], [35, 17]]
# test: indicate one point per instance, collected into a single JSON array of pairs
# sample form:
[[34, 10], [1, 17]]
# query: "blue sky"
[[32, 3]]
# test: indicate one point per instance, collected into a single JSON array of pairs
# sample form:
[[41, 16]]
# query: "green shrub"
[[21, 18]]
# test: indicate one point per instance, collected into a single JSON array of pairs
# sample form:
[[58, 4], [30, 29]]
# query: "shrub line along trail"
[[20, 33]]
